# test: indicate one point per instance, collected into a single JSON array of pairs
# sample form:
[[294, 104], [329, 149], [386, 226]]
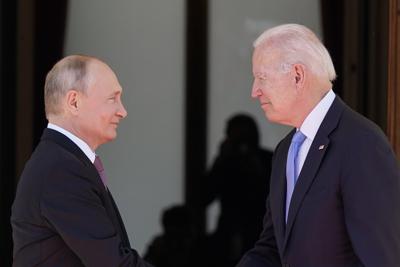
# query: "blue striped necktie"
[[291, 167]]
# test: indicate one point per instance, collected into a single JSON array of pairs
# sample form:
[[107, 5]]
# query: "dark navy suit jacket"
[[62, 214], [345, 209]]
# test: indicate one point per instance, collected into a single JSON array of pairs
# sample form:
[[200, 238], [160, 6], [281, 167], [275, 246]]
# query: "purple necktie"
[[291, 167], [99, 166]]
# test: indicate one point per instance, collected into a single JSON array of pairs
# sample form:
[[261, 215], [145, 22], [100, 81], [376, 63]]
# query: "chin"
[[269, 116], [272, 118], [111, 137]]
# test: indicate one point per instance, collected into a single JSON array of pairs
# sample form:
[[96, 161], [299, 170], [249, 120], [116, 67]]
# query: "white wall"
[[143, 42]]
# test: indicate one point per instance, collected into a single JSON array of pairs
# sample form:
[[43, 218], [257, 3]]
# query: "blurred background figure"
[[239, 180], [179, 245]]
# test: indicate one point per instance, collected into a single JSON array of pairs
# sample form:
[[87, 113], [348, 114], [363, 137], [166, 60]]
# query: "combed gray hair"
[[70, 73], [298, 44]]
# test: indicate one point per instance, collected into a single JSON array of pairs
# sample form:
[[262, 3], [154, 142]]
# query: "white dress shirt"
[[311, 125], [79, 142]]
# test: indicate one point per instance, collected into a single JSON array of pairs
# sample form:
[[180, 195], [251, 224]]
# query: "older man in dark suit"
[[63, 213], [335, 184]]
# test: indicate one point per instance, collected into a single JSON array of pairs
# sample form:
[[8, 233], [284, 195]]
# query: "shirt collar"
[[312, 122], [79, 142]]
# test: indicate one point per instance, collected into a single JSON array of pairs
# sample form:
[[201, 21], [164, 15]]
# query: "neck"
[[311, 100], [72, 128]]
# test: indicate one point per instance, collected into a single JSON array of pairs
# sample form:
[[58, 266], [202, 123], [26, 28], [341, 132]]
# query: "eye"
[[262, 79]]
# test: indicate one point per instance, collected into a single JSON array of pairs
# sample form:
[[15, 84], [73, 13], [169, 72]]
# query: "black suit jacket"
[[62, 214], [345, 209]]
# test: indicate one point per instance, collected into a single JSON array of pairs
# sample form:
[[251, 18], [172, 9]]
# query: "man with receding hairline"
[[63, 213], [335, 183]]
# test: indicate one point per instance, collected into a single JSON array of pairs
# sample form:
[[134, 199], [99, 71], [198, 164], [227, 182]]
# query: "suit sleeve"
[[371, 199], [265, 252], [72, 206]]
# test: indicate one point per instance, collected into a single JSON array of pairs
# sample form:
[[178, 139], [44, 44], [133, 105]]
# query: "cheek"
[[288, 103], [106, 118], [266, 90], [279, 98], [271, 87]]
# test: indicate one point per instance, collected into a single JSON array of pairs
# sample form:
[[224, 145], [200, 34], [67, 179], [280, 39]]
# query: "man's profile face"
[[274, 88], [100, 109]]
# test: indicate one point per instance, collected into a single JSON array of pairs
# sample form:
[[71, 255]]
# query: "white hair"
[[70, 73], [298, 44]]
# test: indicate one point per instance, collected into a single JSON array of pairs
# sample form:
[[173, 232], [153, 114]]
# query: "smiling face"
[[273, 87], [100, 109]]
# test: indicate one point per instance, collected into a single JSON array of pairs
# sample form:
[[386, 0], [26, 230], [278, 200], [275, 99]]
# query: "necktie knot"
[[298, 137]]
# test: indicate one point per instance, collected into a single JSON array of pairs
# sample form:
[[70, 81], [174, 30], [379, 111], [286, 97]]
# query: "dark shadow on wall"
[[239, 180]]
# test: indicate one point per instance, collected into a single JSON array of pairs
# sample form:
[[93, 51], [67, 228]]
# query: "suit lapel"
[[313, 162], [278, 194], [306, 177], [69, 145]]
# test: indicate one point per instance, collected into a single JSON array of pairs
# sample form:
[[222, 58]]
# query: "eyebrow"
[[115, 93]]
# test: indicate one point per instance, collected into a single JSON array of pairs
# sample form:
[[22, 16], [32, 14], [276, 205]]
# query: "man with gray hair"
[[63, 213], [335, 182]]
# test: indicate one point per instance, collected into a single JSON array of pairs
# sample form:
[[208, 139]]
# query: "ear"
[[299, 75], [72, 101]]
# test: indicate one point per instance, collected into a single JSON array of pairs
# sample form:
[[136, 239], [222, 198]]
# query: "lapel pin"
[[321, 147]]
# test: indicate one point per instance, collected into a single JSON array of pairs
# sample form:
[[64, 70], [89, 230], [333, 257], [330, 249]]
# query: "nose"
[[122, 111], [255, 91]]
